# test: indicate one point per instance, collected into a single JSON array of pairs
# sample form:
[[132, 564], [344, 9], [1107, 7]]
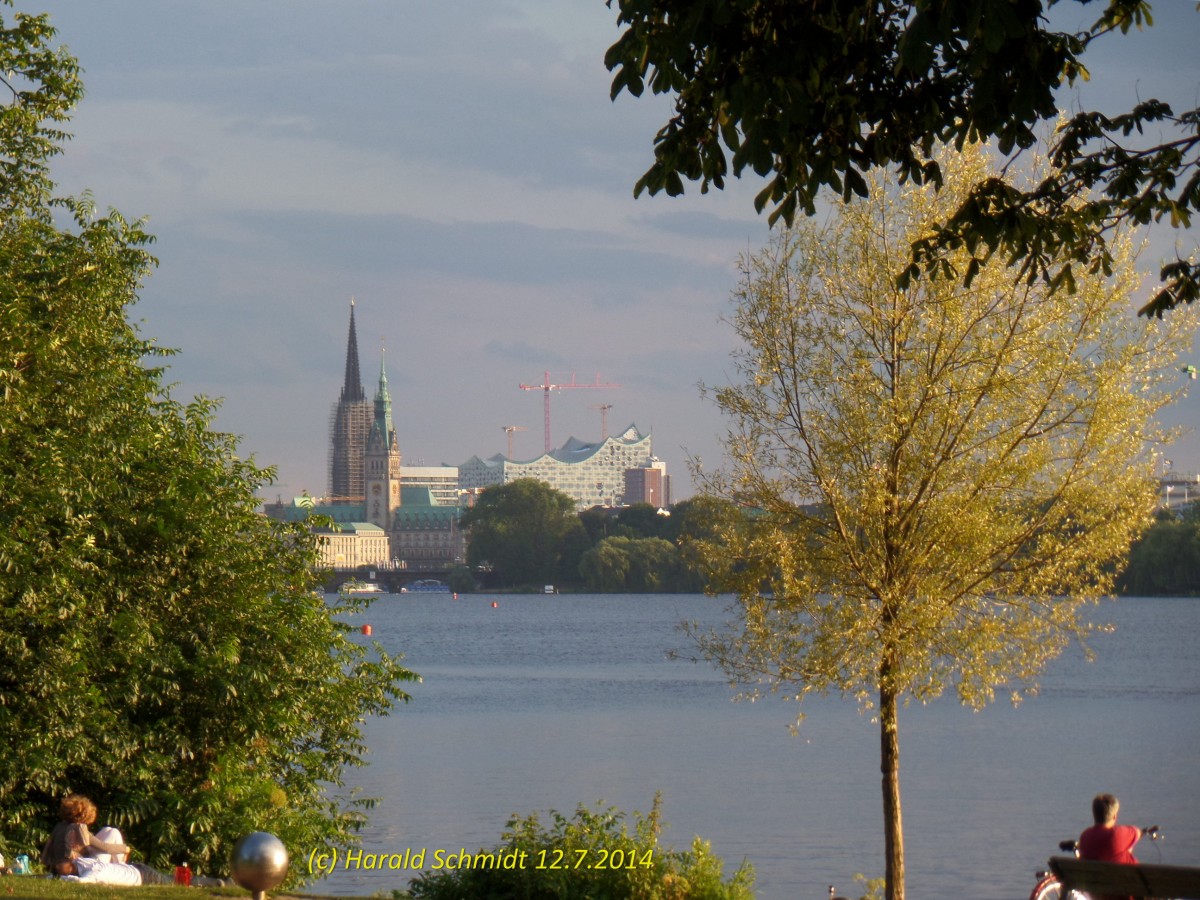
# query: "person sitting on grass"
[[71, 838], [73, 852]]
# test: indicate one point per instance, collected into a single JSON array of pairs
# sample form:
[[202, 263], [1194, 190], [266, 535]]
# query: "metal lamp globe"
[[259, 862]]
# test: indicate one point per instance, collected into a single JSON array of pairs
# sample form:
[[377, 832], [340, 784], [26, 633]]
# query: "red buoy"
[[366, 629], [494, 604]]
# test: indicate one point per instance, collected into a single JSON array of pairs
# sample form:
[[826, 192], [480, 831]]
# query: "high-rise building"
[[648, 484], [349, 425]]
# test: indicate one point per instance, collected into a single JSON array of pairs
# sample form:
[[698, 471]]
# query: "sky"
[[459, 170]]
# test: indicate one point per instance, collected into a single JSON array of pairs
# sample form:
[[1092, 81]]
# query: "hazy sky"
[[459, 169]]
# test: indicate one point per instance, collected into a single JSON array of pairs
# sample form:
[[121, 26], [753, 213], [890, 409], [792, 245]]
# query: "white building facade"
[[593, 474]]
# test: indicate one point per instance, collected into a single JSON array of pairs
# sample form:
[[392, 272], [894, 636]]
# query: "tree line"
[[526, 534], [1165, 561]]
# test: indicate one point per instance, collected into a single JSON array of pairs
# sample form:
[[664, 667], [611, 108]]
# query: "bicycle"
[[1048, 887]]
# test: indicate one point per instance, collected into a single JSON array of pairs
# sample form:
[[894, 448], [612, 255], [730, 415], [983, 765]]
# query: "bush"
[[591, 856]]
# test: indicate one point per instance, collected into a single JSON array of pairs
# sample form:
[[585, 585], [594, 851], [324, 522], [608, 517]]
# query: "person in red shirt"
[[1106, 841]]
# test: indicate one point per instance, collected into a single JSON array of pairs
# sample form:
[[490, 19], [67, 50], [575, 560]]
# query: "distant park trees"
[[940, 474], [526, 534], [522, 532], [161, 647], [1166, 559]]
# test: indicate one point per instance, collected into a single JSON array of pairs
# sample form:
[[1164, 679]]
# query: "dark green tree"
[[641, 520], [597, 522], [635, 565], [1165, 560], [522, 530], [161, 646], [699, 522], [814, 95], [653, 565], [605, 567]]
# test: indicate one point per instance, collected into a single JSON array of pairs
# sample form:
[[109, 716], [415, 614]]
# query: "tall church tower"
[[382, 460], [349, 426]]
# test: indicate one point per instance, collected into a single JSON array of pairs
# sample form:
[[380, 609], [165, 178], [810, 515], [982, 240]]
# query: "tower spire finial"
[[352, 388]]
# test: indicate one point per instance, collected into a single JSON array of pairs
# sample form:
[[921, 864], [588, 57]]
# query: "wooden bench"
[[1118, 879]]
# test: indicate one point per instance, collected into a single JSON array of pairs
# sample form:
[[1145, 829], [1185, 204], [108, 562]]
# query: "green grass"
[[23, 887]]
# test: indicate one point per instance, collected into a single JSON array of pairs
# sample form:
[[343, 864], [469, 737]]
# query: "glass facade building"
[[593, 474]]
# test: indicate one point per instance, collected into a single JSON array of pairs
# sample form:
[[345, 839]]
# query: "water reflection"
[[549, 702]]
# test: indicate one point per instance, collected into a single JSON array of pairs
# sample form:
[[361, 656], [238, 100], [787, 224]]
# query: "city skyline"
[[467, 179]]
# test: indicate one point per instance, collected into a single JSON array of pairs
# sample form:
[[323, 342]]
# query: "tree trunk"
[[889, 759]]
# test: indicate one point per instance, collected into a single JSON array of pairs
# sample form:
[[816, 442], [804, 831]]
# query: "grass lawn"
[[22, 887]]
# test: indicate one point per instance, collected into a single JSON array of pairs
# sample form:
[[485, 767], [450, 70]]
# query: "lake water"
[[547, 702]]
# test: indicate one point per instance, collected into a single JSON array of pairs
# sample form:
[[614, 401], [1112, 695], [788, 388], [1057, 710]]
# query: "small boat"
[[426, 586], [365, 587], [549, 589]]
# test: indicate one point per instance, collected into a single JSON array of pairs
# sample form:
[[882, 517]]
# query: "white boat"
[[365, 587], [426, 586]]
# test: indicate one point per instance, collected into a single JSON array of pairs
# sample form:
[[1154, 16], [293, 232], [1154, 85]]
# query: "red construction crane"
[[546, 387]]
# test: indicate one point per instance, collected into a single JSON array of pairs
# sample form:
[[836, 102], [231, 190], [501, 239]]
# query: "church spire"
[[383, 398], [352, 388], [350, 424]]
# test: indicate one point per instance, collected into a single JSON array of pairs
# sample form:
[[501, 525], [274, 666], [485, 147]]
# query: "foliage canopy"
[[161, 646], [940, 475], [815, 95], [592, 854], [523, 530]]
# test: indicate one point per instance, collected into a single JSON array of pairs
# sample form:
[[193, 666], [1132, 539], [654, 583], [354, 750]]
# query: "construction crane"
[[509, 429], [547, 386], [604, 408]]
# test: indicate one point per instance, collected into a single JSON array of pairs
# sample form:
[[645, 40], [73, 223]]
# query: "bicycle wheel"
[[1047, 889], [1050, 889]]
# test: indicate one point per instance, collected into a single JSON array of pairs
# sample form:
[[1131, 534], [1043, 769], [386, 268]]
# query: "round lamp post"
[[260, 862]]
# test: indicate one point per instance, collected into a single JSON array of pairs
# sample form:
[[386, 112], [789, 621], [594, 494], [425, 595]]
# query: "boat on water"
[[366, 587], [426, 586]]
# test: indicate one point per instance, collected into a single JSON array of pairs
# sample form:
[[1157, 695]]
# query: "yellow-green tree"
[[939, 476]]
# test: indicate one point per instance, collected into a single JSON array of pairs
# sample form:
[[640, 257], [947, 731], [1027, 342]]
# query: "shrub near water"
[[592, 855]]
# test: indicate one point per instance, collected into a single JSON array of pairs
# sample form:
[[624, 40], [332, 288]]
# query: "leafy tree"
[[653, 565], [815, 95], [699, 521], [575, 543], [593, 854], [520, 529], [597, 522], [636, 565], [1166, 560], [606, 566], [941, 475], [161, 647], [641, 520]]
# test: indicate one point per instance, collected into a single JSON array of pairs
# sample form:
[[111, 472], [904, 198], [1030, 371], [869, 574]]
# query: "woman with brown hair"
[[74, 852], [71, 837]]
